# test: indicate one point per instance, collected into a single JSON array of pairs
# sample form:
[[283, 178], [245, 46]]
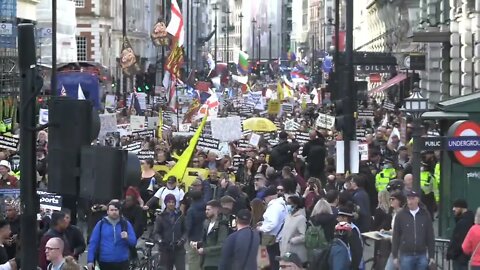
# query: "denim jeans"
[[459, 265], [416, 262]]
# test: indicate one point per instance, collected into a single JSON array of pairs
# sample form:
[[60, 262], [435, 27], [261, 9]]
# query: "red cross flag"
[[175, 27]]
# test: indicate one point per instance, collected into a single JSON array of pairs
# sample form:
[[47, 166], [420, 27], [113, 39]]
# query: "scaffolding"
[[9, 74]]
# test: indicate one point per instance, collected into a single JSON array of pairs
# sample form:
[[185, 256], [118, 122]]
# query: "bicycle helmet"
[[343, 227]]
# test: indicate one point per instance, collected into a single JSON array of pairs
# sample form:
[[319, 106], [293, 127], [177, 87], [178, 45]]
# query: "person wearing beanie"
[[464, 220], [170, 229]]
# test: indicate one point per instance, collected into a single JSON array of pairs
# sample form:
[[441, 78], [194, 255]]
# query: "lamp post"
[[241, 30], [215, 8], [187, 49], [227, 34], [415, 105], [259, 45], [254, 22], [270, 42]]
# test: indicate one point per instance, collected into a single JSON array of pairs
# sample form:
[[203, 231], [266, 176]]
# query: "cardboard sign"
[[361, 133], [43, 116], [246, 110], [388, 106], [363, 150], [273, 106], [108, 123], [237, 161], [325, 121], [208, 143], [144, 133], [9, 143], [254, 139], [244, 143], [146, 154], [227, 129], [137, 122]]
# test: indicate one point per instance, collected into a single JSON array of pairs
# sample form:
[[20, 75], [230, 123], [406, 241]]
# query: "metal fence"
[[441, 246], [9, 76]]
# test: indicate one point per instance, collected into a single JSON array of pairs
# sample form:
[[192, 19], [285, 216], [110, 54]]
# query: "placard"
[[254, 139], [291, 125], [237, 161], [302, 137], [137, 122], [273, 106], [144, 133], [361, 134], [388, 106], [108, 123], [227, 129], [287, 108], [325, 121], [110, 102], [152, 122], [244, 143], [146, 154], [365, 114], [363, 150], [43, 116], [208, 143], [134, 147], [9, 143]]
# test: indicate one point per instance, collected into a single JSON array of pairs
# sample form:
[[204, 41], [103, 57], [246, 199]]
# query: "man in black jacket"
[[464, 219], [282, 153], [413, 236], [314, 151], [74, 236], [195, 216], [361, 199]]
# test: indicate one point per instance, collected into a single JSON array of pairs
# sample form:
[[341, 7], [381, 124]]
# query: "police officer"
[[387, 174], [428, 183]]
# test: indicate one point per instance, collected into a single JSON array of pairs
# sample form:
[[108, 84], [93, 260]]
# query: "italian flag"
[[242, 62]]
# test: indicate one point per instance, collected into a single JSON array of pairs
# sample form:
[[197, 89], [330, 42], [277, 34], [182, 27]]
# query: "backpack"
[[315, 237], [319, 258], [124, 227]]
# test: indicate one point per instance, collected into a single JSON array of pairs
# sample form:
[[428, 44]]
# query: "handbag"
[[268, 239], [470, 261]]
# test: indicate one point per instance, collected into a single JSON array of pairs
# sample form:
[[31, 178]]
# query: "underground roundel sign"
[[464, 142]]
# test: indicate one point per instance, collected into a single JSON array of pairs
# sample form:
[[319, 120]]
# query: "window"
[[81, 48], [79, 3]]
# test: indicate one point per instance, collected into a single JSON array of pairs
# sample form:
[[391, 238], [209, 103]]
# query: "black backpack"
[[123, 225], [320, 257]]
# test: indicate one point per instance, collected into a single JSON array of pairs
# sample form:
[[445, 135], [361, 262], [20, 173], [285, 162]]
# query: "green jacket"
[[213, 241]]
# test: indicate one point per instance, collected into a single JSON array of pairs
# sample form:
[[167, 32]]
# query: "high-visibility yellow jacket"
[[384, 177]]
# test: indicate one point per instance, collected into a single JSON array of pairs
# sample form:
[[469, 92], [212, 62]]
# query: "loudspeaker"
[[106, 172], [72, 124]]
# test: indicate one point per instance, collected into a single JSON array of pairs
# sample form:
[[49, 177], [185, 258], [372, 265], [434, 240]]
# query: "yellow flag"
[[160, 123], [280, 91], [179, 169], [287, 90]]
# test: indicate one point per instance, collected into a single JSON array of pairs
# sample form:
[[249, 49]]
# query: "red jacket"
[[471, 242]]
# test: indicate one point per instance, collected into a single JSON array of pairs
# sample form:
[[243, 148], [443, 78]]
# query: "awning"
[[393, 81]]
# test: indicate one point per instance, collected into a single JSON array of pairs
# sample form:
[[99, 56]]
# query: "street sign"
[[464, 141], [6, 29], [406, 61], [432, 143]]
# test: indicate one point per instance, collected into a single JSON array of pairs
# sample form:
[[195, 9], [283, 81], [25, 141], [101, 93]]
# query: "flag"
[[287, 90], [63, 92], [280, 95], [80, 95], [297, 75], [181, 166], [175, 61], [210, 105], [242, 64], [175, 27]]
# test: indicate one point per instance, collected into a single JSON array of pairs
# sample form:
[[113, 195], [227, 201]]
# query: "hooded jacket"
[[327, 221], [462, 225]]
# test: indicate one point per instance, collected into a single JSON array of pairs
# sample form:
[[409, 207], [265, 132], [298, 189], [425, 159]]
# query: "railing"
[[441, 246]]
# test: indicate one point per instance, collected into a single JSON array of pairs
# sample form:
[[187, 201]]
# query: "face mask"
[[290, 208]]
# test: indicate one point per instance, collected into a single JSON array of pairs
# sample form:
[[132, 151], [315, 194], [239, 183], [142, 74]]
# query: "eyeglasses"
[[51, 248]]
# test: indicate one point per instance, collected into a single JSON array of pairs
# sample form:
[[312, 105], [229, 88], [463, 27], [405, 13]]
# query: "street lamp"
[[415, 105], [227, 34], [270, 42], [241, 28], [259, 44], [254, 22], [215, 8]]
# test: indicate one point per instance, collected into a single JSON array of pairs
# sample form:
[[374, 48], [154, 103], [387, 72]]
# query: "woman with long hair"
[[397, 202], [322, 215], [471, 244], [151, 180], [292, 236], [258, 208], [245, 178], [382, 218]]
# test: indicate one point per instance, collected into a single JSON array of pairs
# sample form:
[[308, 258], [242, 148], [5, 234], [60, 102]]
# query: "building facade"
[[300, 28]]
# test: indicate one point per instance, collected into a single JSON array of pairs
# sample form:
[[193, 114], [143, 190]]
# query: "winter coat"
[[471, 242], [339, 258], [213, 242], [282, 154], [360, 198], [327, 221], [292, 237], [462, 226], [195, 215]]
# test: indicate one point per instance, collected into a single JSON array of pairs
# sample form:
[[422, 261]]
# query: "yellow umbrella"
[[259, 124]]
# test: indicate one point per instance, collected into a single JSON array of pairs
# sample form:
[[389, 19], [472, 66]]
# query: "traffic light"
[[72, 124], [140, 81], [340, 114]]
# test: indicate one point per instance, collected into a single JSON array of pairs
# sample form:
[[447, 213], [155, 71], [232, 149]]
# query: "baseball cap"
[[290, 257], [227, 199], [345, 211], [413, 194], [171, 179], [244, 215], [270, 191]]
